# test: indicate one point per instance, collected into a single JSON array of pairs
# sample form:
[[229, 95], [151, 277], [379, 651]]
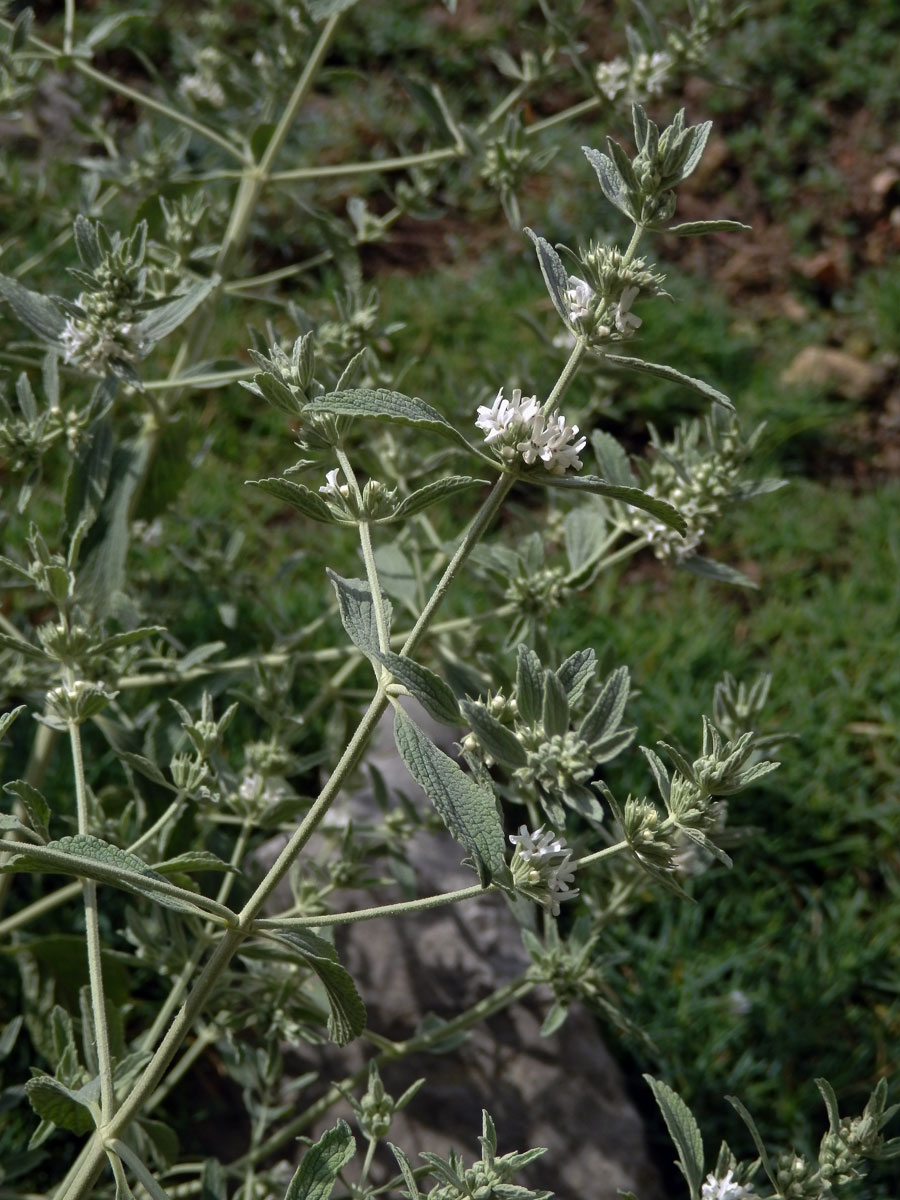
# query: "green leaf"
[[35, 805], [88, 857], [128, 638], [357, 611], [605, 715], [145, 767], [757, 1140], [585, 534], [698, 565], [628, 495], [87, 243], [347, 1013], [169, 316], [576, 673], [611, 182], [468, 810], [432, 493], [34, 310], [321, 1164], [406, 1171], [194, 860], [88, 476], [693, 228], [213, 1181], [684, 1132], [612, 458], [20, 646], [555, 710], [302, 498], [498, 741], [384, 405], [319, 10], [53, 1101], [429, 689], [529, 685], [7, 719], [555, 275], [663, 372]]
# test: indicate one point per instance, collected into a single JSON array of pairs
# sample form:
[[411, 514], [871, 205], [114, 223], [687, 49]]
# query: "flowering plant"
[[184, 762]]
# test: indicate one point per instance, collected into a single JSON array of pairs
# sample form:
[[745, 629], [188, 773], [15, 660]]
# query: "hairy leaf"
[[302, 498], [683, 1130], [321, 1164], [429, 689], [628, 495], [664, 372], [357, 610], [386, 405]]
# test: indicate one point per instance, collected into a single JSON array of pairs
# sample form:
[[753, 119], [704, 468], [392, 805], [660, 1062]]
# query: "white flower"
[[626, 321], [548, 872], [726, 1188], [332, 487], [578, 297], [550, 443], [202, 87], [506, 414], [612, 77], [250, 786], [535, 846]]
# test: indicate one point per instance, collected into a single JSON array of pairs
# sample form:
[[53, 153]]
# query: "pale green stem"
[[568, 373], [372, 914], [139, 1168], [367, 1163], [503, 107], [599, 855], [574, 110], [203, 1040], [213, 379], [339, 170], [365, 541], [92, 932], [69, 27], [253, 281], [633, 245]]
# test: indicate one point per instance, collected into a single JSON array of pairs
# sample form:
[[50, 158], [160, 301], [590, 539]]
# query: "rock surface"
[[564, 1092]]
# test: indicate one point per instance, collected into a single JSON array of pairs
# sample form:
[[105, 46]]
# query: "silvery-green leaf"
[[683, 1130], [752, 774], [8, 718], [87, 243], [611, 182], [698, 145], [700, 839], [169, 316], [319, 10], [555, 276], [660, 774], [38, 312], [101, 31], [585, 534], [322, 1162], [429, 689], [555, 1019], [722, 572], [385, 405], [10, 822], [669, 373], [406, 1171], [354, 370], [628, 495], [20, 646], [128, 638], [555, 709], [432, 493], [529, 685], [641, 125], [145, 767], [468, 811], [576, 673], [498, 741], [278, 394], [35, 805], [194, 860], [612, 459], [623, 165], [347, 1013], [605, 714], [53, 1101], [88, 857], [302, 498], [88, 476], [694, 228], [612, 744], [757, 1140], [357, 611]]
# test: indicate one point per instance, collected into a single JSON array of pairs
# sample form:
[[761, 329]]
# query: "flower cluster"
[[592, 315], [726, 1188], [645, 76], [516, 428], [91, 341], [541, 867]]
